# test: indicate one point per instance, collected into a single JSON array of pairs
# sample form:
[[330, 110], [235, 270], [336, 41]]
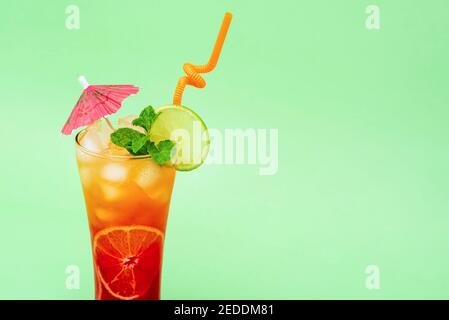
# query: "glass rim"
[[104, 156]]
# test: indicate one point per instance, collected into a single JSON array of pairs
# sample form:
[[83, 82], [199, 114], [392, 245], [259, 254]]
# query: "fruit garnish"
[[128, 259], [187, 130]]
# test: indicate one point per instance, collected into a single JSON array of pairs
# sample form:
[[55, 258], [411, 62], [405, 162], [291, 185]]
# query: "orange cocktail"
[[127, 199]]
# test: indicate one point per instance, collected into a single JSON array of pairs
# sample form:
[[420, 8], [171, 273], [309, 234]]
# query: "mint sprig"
[[128, 138], [162, 152], [138, 143], [146, 118]]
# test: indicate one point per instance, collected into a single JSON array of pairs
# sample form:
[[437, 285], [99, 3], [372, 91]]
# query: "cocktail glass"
[[127, 200]]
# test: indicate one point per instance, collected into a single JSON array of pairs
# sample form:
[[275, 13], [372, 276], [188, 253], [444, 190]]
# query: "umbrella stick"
[[109, 123]]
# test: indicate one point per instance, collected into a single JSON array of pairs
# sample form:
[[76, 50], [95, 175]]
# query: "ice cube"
[[114, 150], [84, 158], [153, 179], [126, 122], [97, 136], [114, 172], [104, 215], [85, 175], [110, 193], [147, 173]]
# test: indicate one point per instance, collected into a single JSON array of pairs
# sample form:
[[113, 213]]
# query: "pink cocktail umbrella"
[[97, 102]]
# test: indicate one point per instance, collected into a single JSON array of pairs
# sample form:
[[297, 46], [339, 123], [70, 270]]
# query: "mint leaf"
[[146, 118], [125, 137], [138, 143], [162, 152], [139, 122], [148, 114]]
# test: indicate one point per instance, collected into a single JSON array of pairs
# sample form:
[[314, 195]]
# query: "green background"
[[363, 144]]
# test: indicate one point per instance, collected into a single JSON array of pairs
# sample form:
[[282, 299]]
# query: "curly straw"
[[193, 72]]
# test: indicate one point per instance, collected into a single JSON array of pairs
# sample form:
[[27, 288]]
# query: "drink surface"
[[127, 200]]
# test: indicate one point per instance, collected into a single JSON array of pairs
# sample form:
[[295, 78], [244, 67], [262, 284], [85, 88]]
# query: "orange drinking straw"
[[193, 77]]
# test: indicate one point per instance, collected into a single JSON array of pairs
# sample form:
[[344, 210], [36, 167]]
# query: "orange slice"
[[128, 259]]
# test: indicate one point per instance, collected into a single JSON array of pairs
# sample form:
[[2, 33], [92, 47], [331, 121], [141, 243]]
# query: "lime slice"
[[186, 129]]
